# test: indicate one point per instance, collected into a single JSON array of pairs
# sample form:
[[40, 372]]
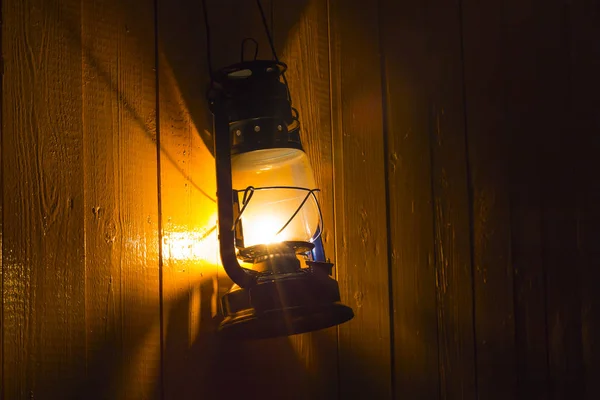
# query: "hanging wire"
[[249, 192], [208, 49], [272, 16], [269, 37], [267, 30], [272, 44]]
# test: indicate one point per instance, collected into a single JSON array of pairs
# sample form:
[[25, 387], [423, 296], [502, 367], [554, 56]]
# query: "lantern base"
[[284, 304]]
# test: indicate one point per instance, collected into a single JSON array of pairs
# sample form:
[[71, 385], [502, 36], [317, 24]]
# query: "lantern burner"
[[284, 303], [262, 252]]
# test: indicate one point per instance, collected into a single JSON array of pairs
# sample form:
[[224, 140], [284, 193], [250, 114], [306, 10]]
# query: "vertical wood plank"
[[359, 185], [489, 157], [451, 203], [101, 137], [526, 255], [584, 23], [301, 37], [1, 232], [188, 203], [404, 36], [560, 185], [121, 199], [43, 231], [526, 95]]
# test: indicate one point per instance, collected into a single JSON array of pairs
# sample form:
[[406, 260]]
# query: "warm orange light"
[[265, 230], [191, 246], [269, 210]]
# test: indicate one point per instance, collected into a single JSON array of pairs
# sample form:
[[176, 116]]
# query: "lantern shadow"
[[113, 368], [214, 367]]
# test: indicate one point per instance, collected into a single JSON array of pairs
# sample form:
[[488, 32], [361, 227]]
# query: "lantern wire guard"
[[278, 296], [250, 190]]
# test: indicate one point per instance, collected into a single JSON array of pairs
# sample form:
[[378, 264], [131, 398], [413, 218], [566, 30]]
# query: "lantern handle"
[[243, 277]]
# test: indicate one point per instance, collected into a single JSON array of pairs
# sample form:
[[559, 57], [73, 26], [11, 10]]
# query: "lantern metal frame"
[[252, 111]]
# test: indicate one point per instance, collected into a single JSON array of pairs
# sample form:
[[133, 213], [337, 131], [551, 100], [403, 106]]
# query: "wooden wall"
[[456, 145]]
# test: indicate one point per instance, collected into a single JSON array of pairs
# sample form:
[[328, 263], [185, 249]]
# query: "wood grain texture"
[[489, 159], [1, 233], [301, 35], [404, 35], [523, 39], [452, 206], [102, 198], [121, 210], [360, 214], [584, 23], [43, 232], [189, 242], [560, 185], [487, 241]]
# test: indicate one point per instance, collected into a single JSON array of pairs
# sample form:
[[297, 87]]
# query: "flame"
[[264, 229]]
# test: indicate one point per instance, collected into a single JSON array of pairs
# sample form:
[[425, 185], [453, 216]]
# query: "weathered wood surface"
[[188, 208], [525, 109], [584, 21], [44, 332], [408, 154], [360, 202], [452, 204], [455, 144], [560, 183], [486, 103], [301, 36], [121, 201]]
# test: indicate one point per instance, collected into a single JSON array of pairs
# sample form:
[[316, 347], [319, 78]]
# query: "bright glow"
[[190, 246], [269, 210], [267, 227]]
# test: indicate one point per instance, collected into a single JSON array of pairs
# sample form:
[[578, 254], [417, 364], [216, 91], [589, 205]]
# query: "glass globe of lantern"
[[287, 171]]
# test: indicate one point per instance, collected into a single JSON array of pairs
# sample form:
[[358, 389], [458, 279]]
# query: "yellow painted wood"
[[43, 199], [484, 64], [188, 207], [301, 35], [451, 203], [404, 40], [360, 199], [121, 199], [454, 144]]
